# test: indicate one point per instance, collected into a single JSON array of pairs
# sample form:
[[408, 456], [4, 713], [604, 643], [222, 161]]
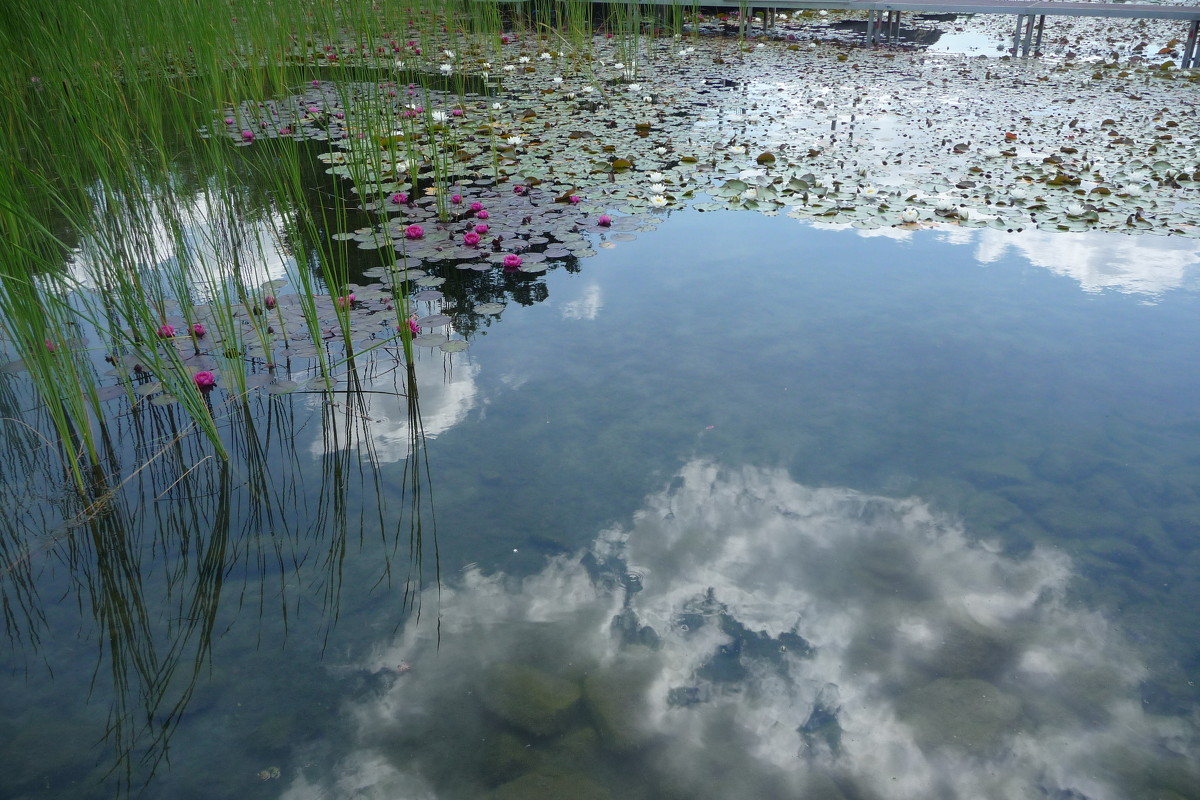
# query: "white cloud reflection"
[[213, 240], [446, 397], [1148, 265], [586, 306], [751, 637]]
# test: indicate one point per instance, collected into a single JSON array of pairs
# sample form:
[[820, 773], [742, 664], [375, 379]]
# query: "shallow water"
[[742, 506]]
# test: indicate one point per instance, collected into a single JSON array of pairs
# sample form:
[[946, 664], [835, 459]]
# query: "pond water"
[[742, 506]]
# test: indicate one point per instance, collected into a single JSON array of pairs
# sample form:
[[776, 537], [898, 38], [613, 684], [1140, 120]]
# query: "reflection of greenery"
[[161, 568]]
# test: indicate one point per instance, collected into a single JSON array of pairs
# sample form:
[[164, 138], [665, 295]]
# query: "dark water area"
[[739, 507]]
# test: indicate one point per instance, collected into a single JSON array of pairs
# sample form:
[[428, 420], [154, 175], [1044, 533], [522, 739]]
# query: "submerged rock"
[[967, 714], [968, 650], [530, 700], [552, 783], [998, 471], [506, 757], [616, 699]]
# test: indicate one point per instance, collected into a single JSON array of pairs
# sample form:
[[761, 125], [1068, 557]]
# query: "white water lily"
[[990, 152], [523, 60], [736, 149], [439, 116], [448, 53], [557, 80], [1018, 193], [634, 87], [544, 56], [943, 204], [1075, 209], [515, 139], [570, 95], [749, 194], [618, 65], [497, 106], [647, 98], [868, 191], [658, 201], [399, 64], [589, 89], [910, 214], [1132, 190], [662, 151], [657, 188], [446, 69], [509, 68], [655, 177]]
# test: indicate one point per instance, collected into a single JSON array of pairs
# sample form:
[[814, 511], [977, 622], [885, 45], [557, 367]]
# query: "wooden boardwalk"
[[883, 16]]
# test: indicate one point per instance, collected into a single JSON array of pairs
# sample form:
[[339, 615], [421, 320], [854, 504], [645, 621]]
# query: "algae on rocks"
[[530, 700]]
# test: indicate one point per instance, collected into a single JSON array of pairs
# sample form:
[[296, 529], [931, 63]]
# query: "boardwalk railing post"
[[1037, 45], [1189, 50], [1016, 47]]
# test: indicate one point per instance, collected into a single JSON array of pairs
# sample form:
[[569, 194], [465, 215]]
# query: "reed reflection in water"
[[155, 581]]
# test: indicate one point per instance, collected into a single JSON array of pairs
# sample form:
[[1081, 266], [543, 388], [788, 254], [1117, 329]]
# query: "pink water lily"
[[414, 232], [456, 198], [399, 197], [198, 330], [482, 214], [477, 206], [512, 261], [604, 219], [166, 331], [481, 228], [470, 238], [204, 380]]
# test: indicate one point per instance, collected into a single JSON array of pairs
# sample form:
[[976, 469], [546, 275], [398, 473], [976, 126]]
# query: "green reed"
[[115, 150]]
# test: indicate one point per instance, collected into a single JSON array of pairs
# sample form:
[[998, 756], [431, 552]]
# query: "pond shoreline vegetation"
[[461, 102]]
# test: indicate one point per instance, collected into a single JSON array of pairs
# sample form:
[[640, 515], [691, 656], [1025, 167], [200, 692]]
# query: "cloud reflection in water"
[[446, 397], [1097, 261], [751, 637]]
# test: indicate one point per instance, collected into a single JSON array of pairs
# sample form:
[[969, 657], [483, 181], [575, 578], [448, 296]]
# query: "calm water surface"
[[741, 508]]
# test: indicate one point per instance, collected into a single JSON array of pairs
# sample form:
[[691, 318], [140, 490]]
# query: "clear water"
[[740, 508]]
